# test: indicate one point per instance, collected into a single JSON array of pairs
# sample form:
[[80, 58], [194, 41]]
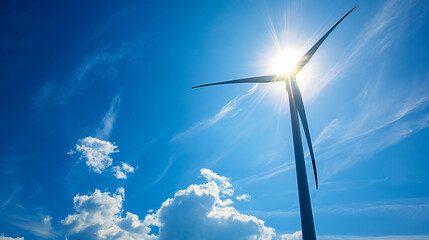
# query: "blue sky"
[[101, 137]]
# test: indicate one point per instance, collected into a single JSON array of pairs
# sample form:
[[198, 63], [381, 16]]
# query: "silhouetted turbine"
[[296, 105]]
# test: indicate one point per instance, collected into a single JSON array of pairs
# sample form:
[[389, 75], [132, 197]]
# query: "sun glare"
[[285, 61]]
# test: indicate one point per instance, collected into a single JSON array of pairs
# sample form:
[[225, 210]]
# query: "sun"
[[285, 61]]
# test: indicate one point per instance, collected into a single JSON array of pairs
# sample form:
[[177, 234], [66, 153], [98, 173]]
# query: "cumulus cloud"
[[295, 236], [97, 156], [223, 182], [96, 153], [193, 213], [2, 237], [98, 216], [201, 211], [122, 170], [245, 197]]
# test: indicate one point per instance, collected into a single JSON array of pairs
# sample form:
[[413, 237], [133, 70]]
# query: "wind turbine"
[[296, 106]]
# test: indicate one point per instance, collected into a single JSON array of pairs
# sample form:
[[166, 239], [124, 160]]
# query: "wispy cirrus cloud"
[[386, 27], [103, 132], [381, 120], [162, 175], [354, 184], [414, 208], [32, 220], [327, 132], [228, 110], [380, 33], [15, 190], [405, 208], [57, 92], [267, 174]]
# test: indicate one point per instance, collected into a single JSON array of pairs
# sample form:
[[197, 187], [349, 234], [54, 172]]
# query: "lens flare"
[[285, 61]]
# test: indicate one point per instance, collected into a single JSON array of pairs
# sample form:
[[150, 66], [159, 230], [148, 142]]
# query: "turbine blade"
[[304, 60], [299, 104], [260, 79]]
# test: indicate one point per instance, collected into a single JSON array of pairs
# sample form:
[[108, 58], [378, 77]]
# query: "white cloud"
[[96, 153], [295, 236], [243, 197], [109, 119], [197, 212], [122, 170], [223, 182], [98, 216], [71, 152], [47, 220], [2, 237], [200, 212]]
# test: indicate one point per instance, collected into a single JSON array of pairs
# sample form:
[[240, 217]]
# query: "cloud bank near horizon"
[[201, 211]]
